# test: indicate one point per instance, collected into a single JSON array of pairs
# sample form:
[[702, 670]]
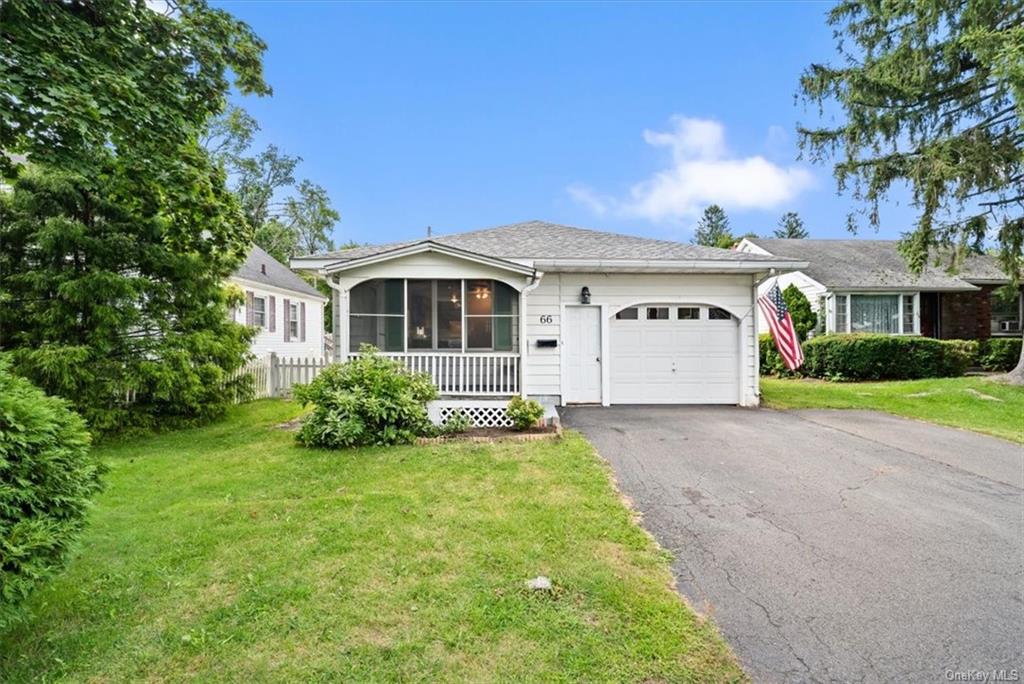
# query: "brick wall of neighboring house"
[[966, 315]]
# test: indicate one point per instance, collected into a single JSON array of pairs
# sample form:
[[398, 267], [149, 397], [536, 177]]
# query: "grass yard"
[[971, 403], [228, 554]]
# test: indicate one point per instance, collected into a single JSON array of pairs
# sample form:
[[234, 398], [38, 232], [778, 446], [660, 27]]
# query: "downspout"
[[534, 282]]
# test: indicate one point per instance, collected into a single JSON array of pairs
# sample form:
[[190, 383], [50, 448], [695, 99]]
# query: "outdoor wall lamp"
[[585, 295]]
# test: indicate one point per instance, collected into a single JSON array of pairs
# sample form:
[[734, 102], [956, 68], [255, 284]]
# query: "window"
[[875, 313], [630, 314], [259, 311], [657, 313], [376, 315], [841, 314], [716, 314], [293, 321], [1006, 311], [908, 314], [688, 313]]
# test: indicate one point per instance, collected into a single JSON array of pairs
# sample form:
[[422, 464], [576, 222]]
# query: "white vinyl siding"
[[267, 340]]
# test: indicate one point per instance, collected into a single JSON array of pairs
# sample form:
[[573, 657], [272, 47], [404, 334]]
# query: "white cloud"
[[703, 172]]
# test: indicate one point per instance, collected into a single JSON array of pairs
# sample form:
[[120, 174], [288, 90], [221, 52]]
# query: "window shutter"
[[302, 321], [287, 320], [248, 307], [272, 303]]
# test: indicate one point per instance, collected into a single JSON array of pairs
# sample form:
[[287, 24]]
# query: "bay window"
[[434, 315], [891, 314]]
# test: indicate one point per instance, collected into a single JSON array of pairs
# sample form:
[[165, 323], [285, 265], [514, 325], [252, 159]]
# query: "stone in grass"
[[539, 583]]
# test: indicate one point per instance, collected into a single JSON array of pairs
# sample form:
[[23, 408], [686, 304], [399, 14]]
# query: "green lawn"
[[971, 403], [228, 554]]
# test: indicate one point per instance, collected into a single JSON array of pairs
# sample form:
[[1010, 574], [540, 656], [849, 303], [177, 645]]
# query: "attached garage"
[[674, 354]]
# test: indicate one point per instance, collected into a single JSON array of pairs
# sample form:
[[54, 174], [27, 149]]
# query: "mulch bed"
[[497, 434]]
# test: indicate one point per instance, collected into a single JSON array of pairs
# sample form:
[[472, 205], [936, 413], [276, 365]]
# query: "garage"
[[674, 354]]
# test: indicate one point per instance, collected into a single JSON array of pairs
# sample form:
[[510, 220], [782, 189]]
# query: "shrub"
[[804, 319], [47, 478], [368, 400], [873, 357], [456, 424], [999, 354], [524, 412], [885, 357]]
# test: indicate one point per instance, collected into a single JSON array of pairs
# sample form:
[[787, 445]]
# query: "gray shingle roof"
[[260, 267], [542, 240], [875, 264]]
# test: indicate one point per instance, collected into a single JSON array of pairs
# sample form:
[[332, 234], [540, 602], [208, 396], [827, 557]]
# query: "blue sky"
[[622, 117]]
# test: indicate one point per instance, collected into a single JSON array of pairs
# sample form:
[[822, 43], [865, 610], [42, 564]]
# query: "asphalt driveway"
[[832, 546]]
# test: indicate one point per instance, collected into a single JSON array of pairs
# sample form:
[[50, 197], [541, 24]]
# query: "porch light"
[[585, 295]]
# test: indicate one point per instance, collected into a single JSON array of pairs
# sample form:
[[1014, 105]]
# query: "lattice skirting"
[[481, 412]]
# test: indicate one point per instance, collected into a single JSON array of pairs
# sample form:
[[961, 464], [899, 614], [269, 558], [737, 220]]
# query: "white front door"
[[581, 341]]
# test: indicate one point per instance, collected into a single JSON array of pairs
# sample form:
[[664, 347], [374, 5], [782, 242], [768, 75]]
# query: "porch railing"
[[472, 374]]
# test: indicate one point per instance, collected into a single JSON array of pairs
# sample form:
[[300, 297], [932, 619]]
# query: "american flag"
[[774, 309]]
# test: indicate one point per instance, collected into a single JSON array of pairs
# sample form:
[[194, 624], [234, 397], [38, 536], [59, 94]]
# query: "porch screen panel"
[[492, 316], [375, 315], [421, 314], [449, 314], [875, 313]]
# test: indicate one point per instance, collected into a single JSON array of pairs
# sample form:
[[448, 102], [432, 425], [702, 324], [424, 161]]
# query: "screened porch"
[[464, 333]]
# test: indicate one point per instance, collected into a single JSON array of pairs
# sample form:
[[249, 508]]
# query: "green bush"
[[804, 319], [456, 424], [874, 357], [368, 400], [524, 412], [999, 354], [47, 478]]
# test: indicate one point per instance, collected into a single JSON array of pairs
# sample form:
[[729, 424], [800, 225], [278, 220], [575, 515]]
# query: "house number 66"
[[547, 319]]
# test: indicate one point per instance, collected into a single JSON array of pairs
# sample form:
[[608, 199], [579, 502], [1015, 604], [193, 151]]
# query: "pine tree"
[[713, 229], [791, 226], [933, 96]]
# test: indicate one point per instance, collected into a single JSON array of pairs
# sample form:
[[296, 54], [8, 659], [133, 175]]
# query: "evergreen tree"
[[791, 226], [933, 96], [111, 305], [713, 229], [804, 319]]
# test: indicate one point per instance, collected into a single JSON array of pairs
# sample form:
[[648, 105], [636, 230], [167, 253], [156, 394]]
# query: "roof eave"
[[668, 265]]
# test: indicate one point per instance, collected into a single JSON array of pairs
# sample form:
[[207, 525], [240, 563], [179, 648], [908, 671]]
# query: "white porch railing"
[[481, 374]]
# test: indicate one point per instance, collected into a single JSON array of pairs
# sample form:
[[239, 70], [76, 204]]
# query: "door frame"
[[602, 330]]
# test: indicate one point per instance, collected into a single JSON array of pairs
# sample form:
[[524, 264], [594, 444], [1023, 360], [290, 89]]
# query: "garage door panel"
[[674, 361]]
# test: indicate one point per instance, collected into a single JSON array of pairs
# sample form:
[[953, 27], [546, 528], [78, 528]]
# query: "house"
[[866, 286], [288, 311], [562, 314]]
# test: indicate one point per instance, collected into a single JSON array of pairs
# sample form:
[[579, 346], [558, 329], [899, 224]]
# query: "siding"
[[618, 291], [267, 342], [811, 288]]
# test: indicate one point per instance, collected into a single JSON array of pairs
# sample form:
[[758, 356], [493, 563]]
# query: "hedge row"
[[891, 357]]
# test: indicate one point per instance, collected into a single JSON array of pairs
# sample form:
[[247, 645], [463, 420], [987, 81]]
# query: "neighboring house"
[[288, 311], [563, 314], [866, 286]]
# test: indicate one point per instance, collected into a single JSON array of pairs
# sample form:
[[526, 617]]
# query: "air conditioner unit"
[[1009, 326]]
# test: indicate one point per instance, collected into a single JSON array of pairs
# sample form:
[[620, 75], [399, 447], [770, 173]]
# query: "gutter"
[[667, 266]]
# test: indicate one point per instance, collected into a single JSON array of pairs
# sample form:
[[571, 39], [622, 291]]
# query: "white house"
[[562, 314], [288, 311], [867, 286]]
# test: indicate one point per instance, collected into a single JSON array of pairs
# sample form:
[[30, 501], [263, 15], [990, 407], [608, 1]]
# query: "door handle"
[[598, 359]]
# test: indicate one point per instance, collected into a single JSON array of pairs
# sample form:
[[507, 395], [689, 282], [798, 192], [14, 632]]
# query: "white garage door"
[[672, 354]]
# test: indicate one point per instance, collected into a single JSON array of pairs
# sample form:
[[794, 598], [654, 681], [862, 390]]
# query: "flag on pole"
[[775, 311]]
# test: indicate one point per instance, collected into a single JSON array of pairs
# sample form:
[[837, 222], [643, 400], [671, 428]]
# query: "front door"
[[581, 340]]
